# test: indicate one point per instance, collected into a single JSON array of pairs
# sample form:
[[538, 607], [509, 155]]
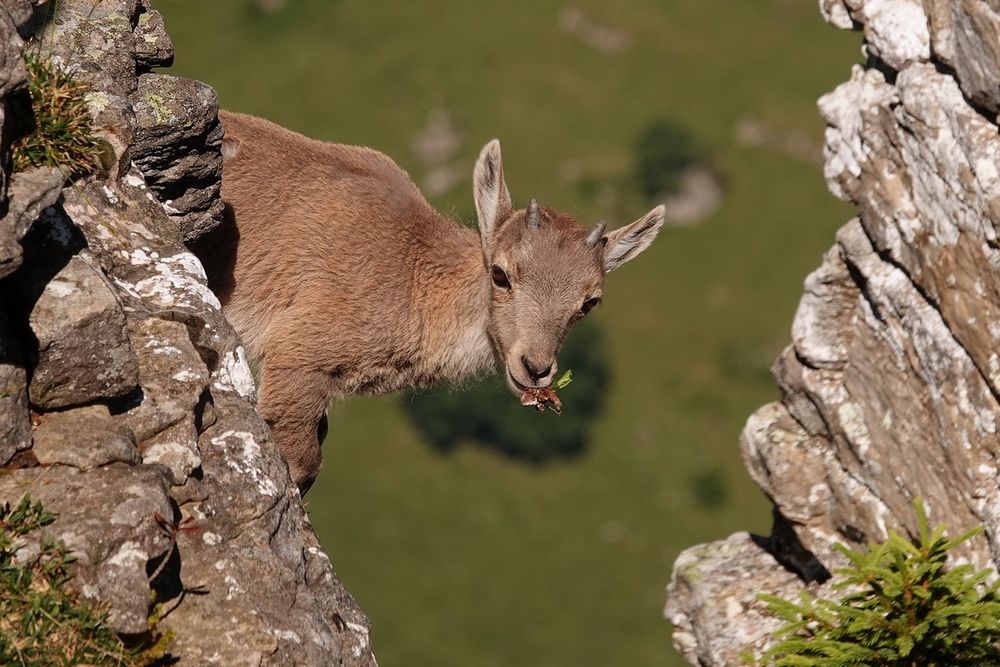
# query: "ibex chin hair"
[[342, 279]]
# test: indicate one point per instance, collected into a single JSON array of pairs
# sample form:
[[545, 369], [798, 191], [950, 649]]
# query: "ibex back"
[[342, 279]]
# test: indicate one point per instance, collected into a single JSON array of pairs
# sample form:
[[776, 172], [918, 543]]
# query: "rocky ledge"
[[126, 402], [891, 383]]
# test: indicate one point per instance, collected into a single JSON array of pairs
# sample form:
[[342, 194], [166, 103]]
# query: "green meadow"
[[471, 558]]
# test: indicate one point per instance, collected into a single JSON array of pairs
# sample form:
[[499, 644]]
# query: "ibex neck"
[[456, 298]]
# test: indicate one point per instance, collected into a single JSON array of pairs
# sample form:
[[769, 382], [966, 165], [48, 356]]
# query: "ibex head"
[[547, 272]]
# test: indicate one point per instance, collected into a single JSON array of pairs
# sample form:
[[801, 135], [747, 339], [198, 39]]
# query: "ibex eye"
[[588, 305], [500, 278]]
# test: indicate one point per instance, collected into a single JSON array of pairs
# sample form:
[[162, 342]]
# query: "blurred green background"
[[465, 556]]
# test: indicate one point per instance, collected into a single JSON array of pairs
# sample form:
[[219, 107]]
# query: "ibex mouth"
[[517, 388]]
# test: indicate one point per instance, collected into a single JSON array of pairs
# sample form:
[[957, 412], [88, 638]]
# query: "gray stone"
[[172, 376], [966, 37], [13, 76], [97, 39], [178, 148], [106, 519], [890, 387], [15, 416], [30, 192], [153, 47], [114, 293], [712, 600], [20, 11], [256, 544], [84, 437], [12, 71], [83, 351], [176, 448]]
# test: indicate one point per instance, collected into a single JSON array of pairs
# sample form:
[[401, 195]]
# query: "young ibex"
[[344, 280]]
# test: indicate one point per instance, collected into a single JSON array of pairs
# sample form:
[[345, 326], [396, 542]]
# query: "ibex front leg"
[[293, 402]]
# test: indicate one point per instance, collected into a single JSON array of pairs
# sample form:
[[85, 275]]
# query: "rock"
[[30, 193], [179, 149], [172, 375], [97, 39], [896, 31], [966, 37], [712, 600], [83, 352], [13, 75], [890, 387], [254, 542], [83, 437], [20, 11], [836, 13], [15, 418], [176, 447], [111, 318], [106, 519], [153, 47]]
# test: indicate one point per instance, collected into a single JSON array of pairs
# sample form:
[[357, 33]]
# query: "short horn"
[[534, 219], [594, 237]]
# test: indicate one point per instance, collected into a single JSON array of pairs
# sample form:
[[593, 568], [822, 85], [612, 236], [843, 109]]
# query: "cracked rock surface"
[[126, 402], [890, 385]]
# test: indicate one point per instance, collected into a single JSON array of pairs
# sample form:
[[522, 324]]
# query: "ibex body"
[[342, 279]]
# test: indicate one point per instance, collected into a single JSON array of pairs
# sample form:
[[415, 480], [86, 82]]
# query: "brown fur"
[[342, 279]]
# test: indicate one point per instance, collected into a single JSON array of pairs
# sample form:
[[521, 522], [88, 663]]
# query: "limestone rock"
[[896, 31], [712, 600], [15, 418], [179, 149], [256, 545], [13, 76], [21, 11], [30, 193], [153, 47], [175, 447], [12, 71], [890, 386], [83, 437], [107, 522], [837, 13], [97, 39], [83, 351], [129, 356], [171, 373], [966, 36]]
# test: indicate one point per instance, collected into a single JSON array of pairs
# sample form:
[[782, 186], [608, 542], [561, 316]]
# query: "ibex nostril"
[[535, 371]]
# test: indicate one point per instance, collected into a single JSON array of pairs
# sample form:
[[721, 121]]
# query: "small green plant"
[[42, 622], [55, 130], [564, 380], [901, 607]]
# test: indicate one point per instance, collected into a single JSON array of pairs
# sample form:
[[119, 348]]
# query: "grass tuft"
[[56, 129], [42, 621]]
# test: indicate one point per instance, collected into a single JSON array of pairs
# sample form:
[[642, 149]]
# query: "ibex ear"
[[626, 242], [490, 191]]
